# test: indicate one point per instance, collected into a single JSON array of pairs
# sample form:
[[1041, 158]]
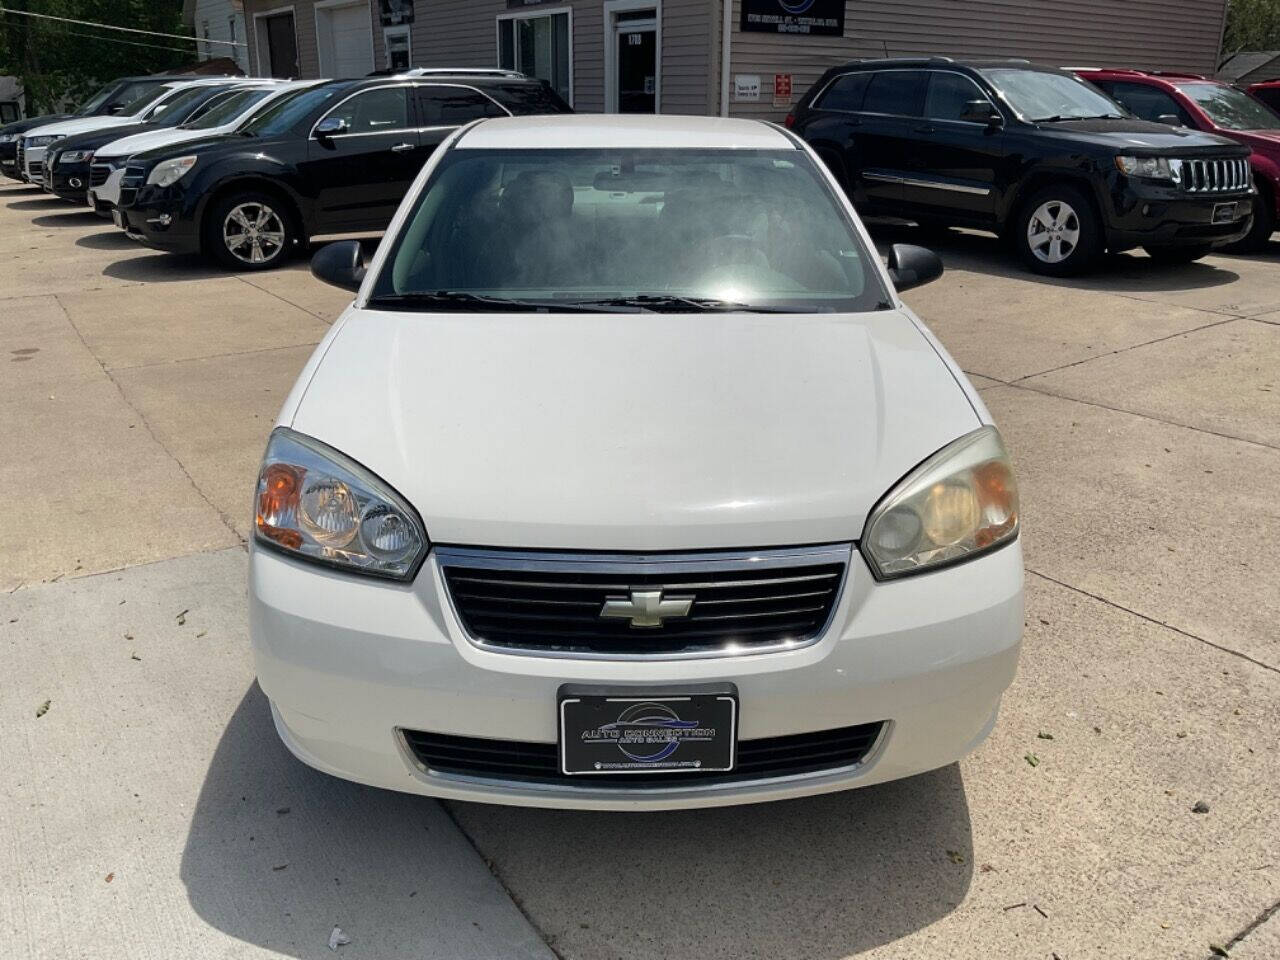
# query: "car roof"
[[595, 131], [944, 62]]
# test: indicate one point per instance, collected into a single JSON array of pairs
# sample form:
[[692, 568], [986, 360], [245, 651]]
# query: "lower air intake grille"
[[517, 760], [644, 605], [98, 174]]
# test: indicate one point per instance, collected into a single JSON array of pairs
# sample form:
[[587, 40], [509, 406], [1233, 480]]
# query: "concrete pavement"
[[1140, 406]]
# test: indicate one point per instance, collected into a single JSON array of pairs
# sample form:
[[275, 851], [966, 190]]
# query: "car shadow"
[[72, 218], [1124, 273], [162, 267], [40, 203], [810, 879], [277, 853], [106, 240]]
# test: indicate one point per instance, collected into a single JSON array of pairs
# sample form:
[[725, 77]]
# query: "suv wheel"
[[1057, 232], [1178, 254], [249, 231]]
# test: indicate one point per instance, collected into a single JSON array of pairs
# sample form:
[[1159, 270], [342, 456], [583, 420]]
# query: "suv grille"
[[98, 174], [130, 181], [1214, 176], [762, 759], [554, 603]]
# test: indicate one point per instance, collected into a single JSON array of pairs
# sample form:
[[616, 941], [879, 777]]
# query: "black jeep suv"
[[334, 158], [1033, 153]]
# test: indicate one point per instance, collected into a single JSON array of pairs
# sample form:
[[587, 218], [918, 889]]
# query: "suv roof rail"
[[464, 71], [1175, 74], [941, 60]]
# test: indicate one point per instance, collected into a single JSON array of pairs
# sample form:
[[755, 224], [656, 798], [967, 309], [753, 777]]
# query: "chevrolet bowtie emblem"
[[646, 608]]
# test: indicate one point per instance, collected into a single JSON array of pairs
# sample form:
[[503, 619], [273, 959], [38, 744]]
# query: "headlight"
[[316, 504], [75, 156], [1152, 168], [42, 141], [8, 137], [170, 171], [959, 503]]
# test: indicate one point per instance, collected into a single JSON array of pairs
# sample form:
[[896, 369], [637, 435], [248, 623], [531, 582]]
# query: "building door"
[[281, 43], [633, 82], [344, 39]]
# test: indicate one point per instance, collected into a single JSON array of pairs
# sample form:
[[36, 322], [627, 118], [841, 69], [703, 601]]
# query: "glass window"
[[845, 93], [1268, 95], [453, 106], [537, 46], [1231, 108], [173, 110], [1044, 95], [527, 98], [561, 226], [1144, 102], [381, 110], [228, 107], [898, 92], [140, 106], [97, 100], [291, 109], [949, 96]]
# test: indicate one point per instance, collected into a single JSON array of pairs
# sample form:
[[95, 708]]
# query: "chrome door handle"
[[401, 147]]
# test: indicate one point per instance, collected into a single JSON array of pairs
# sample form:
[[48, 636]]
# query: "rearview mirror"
[[342, 264], [909, 266], [331, 127]]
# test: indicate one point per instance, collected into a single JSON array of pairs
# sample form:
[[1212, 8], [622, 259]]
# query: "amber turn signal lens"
[[278, 491]]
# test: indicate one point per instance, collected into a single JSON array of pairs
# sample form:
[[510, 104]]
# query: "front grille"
[[130, 181], [554, 603], [1213, 176], [98, 174], [36, 169], [518, 760]]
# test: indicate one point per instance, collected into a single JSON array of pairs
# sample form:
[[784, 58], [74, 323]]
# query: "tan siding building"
[[666, 55]]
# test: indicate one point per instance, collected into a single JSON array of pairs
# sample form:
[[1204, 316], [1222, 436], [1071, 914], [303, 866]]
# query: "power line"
[[131, 43], [108, 26]]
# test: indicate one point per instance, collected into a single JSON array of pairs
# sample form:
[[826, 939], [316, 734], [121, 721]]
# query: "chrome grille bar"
[[1213, 176]]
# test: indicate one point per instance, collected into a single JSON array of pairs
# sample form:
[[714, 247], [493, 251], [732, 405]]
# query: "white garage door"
[[344, 35]]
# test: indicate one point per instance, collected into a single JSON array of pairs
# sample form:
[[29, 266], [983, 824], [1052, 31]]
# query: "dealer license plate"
[[625, 731]]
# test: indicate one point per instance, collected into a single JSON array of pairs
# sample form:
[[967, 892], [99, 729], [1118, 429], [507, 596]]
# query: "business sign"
[[395, 12], [746, 87], [819, 18], [782, 89]]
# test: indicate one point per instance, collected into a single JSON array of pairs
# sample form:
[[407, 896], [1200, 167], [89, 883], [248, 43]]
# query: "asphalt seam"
[[1257, 921], [146, 425], [497, 876], [1153, 620], [272, 293]]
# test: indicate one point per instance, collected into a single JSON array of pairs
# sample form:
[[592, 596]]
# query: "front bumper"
[[159, 224], [347, 662], [1145, 214], [33, 164], [69, 181], [107, 194]]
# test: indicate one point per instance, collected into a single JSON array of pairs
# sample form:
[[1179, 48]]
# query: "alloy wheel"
[[1053, 232], [253, 233]]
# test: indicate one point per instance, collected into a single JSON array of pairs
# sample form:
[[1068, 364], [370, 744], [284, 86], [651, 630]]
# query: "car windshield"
[[144, 103], [229, 107], [93, 103], [283, 114], [1230, 108], [1046, 95], [629, 230], [183, 105]]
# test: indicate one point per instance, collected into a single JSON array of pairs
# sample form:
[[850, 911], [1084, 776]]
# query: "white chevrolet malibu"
[[629, 482]]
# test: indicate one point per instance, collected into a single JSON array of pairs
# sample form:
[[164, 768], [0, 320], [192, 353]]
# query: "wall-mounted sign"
[[517, 4], [782, 89], [395, 12], [746, 86], [824, 18]]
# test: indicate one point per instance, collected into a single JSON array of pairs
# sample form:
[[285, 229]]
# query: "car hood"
[[30, 123], [98, 138], [1156, 139], [67, 128], [1266, 142], [151, 139], [635, 431]]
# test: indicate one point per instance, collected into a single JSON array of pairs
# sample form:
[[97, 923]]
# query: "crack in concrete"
[[312, 313], [1253, 925], [146, 425], [1159, 623]]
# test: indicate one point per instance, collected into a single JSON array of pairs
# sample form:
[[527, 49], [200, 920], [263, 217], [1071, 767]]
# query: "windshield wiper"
[[1058, 118], [673, 303], [426, 300]]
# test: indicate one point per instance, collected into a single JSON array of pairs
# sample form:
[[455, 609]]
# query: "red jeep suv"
[[1188, 100]]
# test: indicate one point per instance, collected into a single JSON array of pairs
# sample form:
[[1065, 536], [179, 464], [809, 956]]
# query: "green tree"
[[59, 62], [1251, 25]]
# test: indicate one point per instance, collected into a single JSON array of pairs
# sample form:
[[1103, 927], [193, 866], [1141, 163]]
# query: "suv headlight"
[[316, 504], [1150, 168], [9, 137], [75, 156], [170, 171], [961, 502]]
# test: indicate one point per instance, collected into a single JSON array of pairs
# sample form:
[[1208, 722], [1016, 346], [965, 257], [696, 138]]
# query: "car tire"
[[1263, 226], [1057, 232], [250, 230], [1178, 254]]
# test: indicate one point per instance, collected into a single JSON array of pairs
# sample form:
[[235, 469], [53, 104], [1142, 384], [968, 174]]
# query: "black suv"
[[108, 101], [334, 158], [1033, 153]]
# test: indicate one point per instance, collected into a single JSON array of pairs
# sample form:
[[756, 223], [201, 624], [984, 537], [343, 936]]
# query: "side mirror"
[[909, 266], [331, 127], [342, 264], [982, 111], [1171, 119]]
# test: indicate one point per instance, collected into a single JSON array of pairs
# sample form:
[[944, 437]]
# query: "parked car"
[[35, 142], [111, 99], [1033, 153], [718, 520], [334, 158], [1199, 103], [67, 161], [223, 115], [1268, 92]]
